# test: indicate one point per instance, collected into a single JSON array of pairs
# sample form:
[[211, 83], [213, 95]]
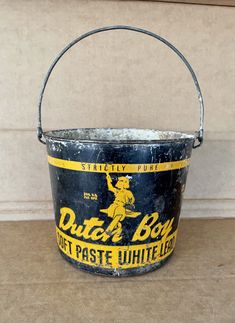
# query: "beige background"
[[117, 79]]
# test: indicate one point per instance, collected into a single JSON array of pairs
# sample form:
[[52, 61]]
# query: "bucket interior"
[[117, 134]]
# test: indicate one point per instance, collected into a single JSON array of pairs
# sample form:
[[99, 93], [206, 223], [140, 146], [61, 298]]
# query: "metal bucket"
[[117, 192]]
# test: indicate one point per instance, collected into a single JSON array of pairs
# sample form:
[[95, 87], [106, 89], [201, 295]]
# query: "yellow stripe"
[[107, 256], [117, 168]]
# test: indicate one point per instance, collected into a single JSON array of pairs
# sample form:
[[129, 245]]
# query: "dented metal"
[[117, 193], [117, 204]]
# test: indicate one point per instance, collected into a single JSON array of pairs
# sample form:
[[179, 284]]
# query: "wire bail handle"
[[199, 134]]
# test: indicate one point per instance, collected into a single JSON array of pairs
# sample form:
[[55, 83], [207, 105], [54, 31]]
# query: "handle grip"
[[199, 133]]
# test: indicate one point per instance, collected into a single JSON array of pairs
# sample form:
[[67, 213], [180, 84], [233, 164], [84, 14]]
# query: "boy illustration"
[[123, 203]]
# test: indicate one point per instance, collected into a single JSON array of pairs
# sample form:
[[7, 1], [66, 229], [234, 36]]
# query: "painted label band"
[[108, 256], [117, 168]]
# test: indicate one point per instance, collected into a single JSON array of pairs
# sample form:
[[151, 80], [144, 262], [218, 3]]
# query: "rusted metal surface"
[[117, 203], [117, 192]]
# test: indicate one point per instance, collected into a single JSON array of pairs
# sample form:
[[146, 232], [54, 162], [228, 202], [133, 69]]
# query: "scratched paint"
[[117, 192], [117, 196]]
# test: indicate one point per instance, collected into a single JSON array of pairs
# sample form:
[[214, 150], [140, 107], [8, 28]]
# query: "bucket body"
[[117, 198]]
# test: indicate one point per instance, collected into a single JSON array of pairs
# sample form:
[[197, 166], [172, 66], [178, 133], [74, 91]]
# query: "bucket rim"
[[176, 136]]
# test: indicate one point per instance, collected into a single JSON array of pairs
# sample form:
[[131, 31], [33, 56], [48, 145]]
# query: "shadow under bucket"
[[117, 192]]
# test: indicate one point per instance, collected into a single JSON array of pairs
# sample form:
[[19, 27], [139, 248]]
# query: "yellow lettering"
[[144, 229], [63, 212], [166, 229], [89, 225], [156, 230], [93, 228], [97, 234]]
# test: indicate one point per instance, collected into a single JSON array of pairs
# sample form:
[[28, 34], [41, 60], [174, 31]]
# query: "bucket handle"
[[199, 134]]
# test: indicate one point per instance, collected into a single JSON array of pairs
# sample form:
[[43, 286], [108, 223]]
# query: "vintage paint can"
[[117, 192]]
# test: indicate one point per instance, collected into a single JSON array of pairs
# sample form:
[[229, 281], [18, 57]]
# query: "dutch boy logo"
[[122, 207], [123, 204]]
